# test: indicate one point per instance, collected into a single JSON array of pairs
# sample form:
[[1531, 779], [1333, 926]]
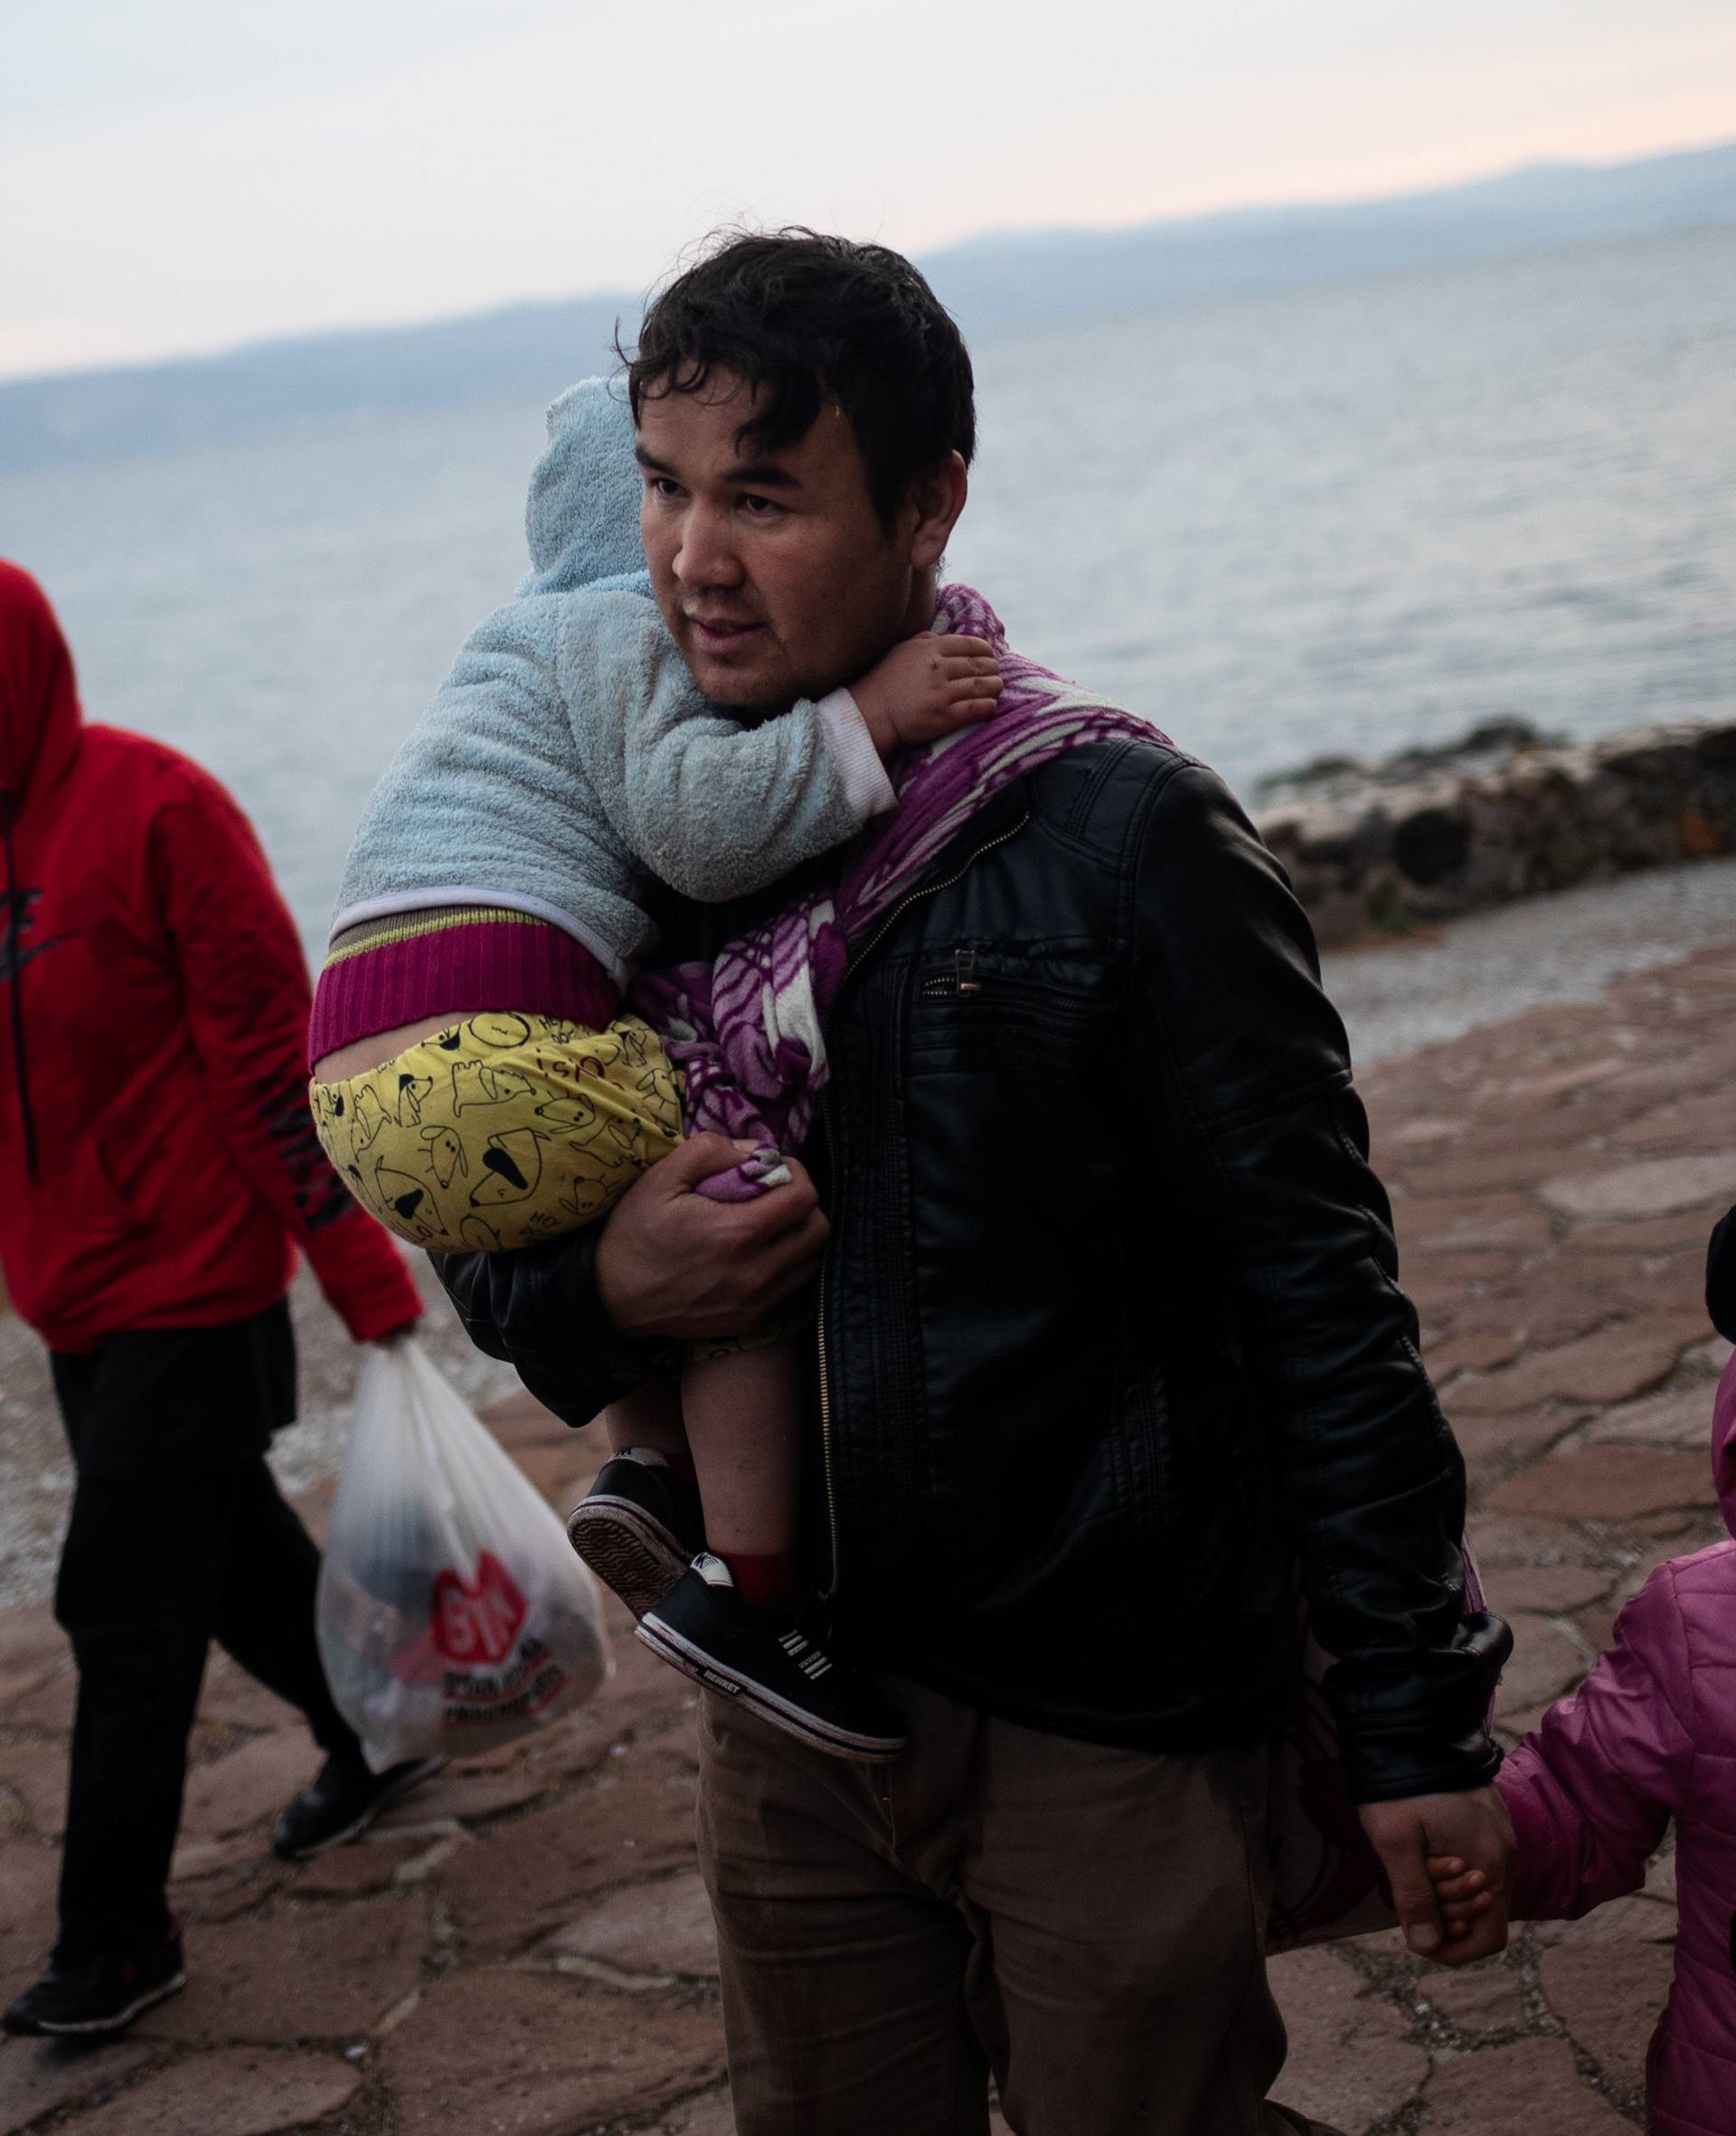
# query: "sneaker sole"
[[629, 1550], [376, 1808], [817, 1734], [87, 2027]]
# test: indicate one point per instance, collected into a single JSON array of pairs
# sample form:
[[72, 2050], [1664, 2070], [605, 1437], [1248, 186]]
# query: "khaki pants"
[[1085, 1923]]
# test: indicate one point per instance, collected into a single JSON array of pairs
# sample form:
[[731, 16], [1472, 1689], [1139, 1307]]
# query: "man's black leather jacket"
[[1110, 1337]]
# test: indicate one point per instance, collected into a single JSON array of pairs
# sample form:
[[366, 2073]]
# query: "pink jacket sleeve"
[[1591, 1790]]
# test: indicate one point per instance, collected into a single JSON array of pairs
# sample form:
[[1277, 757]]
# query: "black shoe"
[[83, 1997], [638, 1527], [342, 1802], [771, 1660]]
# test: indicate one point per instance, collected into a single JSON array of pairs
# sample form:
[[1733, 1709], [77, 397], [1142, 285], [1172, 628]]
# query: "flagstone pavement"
[[522, 1949]]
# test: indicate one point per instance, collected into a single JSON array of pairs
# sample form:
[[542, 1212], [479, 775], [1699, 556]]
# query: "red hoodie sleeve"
[[1593, 1791], [246, 1001]]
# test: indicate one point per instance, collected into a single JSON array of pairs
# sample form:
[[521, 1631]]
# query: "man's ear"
[[939, 498]]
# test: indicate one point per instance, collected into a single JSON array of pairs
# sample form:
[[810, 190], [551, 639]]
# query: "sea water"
[[1343, 519]]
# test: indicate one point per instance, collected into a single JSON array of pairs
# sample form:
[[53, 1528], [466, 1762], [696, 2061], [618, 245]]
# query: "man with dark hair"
[[1109, 1336]]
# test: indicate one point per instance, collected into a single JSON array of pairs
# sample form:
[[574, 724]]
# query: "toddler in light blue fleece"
[[570, 758], [475, 1083]]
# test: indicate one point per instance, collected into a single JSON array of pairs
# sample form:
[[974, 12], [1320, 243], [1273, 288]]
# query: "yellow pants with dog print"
[[503, 1131]]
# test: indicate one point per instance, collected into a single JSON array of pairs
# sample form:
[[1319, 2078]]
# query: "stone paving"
[[523, 1949]]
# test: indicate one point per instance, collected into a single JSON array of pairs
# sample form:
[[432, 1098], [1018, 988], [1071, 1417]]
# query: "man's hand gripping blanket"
[[748, 1031]]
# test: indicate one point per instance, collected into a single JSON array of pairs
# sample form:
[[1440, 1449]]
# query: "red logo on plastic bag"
[[480, 1622]]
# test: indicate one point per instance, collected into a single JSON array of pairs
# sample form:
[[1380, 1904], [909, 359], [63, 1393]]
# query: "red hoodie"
[[157, 1160]]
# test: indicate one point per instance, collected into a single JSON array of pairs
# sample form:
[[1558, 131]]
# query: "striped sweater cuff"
[[458, 961]]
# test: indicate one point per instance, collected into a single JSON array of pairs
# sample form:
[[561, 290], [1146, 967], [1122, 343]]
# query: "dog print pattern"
[[503, 1129]]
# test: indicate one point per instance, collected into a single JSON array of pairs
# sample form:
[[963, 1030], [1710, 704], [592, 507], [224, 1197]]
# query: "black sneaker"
[[83, 1997], [342, 1802], [638, 1527], [772, 1661]]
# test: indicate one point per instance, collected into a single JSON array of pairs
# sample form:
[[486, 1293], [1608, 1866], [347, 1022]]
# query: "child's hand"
[[927, 687], [1463, 1894]]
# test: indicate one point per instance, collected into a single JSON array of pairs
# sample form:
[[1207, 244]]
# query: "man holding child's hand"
[[1111, 1348]]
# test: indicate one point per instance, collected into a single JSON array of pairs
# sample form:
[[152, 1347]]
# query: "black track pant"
[[154, 1569]]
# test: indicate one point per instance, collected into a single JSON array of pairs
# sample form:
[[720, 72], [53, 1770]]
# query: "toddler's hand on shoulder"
[[927, 687]]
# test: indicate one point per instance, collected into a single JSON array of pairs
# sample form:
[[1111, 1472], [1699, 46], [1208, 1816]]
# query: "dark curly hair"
[[804, 319]]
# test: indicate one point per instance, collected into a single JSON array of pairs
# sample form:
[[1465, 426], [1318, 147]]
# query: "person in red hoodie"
[[158, 1171]]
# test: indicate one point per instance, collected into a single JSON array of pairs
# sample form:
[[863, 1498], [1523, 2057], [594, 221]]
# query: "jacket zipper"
[[961, 983], [825, 1396], [963, 979], [861, 957]]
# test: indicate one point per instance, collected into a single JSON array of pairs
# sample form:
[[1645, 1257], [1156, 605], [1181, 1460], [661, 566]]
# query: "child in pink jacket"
[[1650, 1736]]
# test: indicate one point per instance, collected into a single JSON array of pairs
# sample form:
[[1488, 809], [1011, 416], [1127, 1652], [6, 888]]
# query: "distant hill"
[[1019, 279], [527, 352]]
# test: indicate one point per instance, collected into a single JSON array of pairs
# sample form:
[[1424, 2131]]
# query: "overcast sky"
[[191, 174]]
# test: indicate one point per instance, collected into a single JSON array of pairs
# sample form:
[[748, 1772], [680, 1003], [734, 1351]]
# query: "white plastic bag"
[[453, 1614]]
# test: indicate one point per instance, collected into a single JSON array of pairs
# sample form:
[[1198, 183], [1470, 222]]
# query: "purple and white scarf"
[[748, 1031]]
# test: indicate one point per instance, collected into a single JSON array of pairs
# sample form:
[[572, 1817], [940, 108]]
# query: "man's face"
[[775, 573]]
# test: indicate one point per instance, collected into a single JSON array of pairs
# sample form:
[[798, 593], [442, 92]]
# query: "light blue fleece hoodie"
[[570, 758]]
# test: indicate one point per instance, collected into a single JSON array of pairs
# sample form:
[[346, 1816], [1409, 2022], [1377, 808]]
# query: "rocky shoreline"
[[1506, 813]]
